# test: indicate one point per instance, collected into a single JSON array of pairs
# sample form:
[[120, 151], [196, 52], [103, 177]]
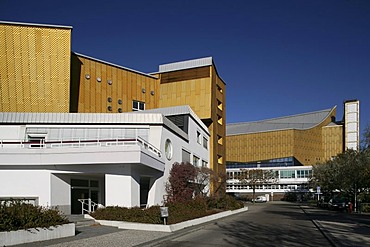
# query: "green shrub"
[[16, 215], [178, 211]]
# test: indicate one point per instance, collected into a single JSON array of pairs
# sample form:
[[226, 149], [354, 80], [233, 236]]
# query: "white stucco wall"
[[157, 193], [26, 183], [121, 190], [61, 192]]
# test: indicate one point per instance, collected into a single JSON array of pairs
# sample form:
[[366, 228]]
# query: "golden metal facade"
[[34, 68], [204, 91], [102, 87], [309, 147]]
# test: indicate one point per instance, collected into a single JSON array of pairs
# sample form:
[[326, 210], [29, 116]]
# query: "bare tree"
[[256, 177]]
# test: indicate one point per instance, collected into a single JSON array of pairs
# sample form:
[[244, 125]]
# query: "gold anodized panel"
[[34, 68], [106, 88], [309, 147]]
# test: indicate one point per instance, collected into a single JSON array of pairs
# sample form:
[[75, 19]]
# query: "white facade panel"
[[26, 184]]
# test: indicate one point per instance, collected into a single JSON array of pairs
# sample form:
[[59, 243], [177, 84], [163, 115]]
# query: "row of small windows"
[[268, 187], [196, 161], [280, 174]]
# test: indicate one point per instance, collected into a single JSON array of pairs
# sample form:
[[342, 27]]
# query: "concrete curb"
[[323, 231], [36, 234], [168, 228]]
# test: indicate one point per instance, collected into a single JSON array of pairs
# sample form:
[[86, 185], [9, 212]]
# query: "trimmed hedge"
[[16, 215], [178, 211]]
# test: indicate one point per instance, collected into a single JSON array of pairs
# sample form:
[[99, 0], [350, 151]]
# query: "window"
[[304, 173], [185, 156], [204, 163], [168, 149], [205, 143], [219, 119], [37, 140], [219, 88], [199, 139], [138, 106], [219, 139], [287, 174], [195, 160], [219, 105]]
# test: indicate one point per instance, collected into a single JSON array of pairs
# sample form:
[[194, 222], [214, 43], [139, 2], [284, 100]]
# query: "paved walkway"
[[342, 229], [97, 235], [345, 230]]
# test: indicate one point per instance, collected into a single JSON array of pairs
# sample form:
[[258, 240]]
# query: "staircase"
[[80, 221]]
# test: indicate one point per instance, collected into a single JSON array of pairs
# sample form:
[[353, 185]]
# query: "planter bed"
[[36, 234], [168, 228]]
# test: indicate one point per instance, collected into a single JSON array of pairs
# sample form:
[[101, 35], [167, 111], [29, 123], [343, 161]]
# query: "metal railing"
[[80, 143], [88, 205]]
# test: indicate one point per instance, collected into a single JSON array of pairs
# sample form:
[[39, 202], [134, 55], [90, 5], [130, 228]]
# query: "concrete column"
[[121, 190]]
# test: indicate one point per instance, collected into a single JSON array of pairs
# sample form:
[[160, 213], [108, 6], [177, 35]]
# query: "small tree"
[[256, 177], [347, 173], [180, 186]]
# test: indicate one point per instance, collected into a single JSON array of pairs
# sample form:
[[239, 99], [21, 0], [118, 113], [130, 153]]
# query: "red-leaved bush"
[[180, 186]]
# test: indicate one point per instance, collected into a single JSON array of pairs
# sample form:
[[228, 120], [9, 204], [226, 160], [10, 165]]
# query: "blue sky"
[[277, 58]]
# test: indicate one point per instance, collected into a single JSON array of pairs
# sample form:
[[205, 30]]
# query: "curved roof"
[[300, 122]]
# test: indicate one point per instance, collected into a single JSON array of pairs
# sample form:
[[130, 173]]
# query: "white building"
[[54, 159], [286, 179]]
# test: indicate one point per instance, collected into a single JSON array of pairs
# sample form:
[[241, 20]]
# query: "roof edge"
[[115, 65], [35, 24], [295, 115]]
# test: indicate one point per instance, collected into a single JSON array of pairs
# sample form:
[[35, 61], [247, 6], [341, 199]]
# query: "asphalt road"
[[265, 224]]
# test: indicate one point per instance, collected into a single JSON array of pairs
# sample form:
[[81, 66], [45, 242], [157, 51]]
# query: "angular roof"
[[114, 65], [188, 64], [179, 110], [299, 122]]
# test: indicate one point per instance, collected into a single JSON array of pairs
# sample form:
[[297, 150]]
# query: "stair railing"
[[91, 206]]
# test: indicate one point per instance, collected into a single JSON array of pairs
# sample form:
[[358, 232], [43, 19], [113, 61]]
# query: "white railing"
[[88, 205], [80, 143]]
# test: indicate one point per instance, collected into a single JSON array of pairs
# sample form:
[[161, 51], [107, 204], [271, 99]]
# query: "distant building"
[[289, 146]]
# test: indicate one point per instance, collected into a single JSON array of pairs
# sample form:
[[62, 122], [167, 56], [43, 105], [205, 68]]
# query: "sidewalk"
[[99, 235], [341, 229]]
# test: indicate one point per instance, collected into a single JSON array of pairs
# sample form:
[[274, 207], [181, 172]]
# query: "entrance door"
[[76, 206]]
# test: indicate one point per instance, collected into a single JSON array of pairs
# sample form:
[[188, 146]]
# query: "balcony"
[[69, 152]]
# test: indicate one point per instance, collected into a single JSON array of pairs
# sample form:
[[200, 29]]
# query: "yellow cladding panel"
[[187, 87], [332, 141], [107, 88], [260, 146], [35, 68], [309, 146]]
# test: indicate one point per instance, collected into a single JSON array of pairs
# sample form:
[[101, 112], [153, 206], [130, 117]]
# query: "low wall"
[[168, 228], [36, 234]]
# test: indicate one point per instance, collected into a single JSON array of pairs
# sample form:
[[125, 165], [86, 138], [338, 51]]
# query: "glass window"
[[205, 143], [204, 163], [80, 182], [287, 174], [198, 137], [94, 183], [195, 160], [138, 106], [185, 156]]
